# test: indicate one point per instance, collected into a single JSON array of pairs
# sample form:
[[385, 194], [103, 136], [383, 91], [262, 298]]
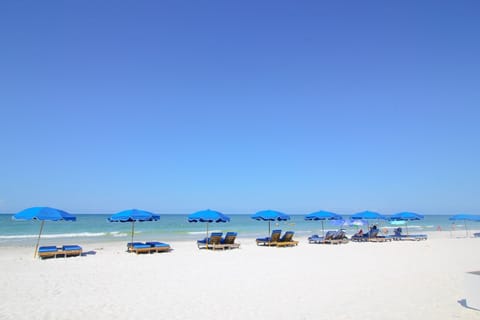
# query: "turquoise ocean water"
[[91, 228]]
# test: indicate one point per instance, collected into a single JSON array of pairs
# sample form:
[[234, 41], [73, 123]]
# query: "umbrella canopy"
[[322, 216], [405, 217], [43, 213], [208, 216], [270, 215], [133, 215], [368, 215], [465, 218]]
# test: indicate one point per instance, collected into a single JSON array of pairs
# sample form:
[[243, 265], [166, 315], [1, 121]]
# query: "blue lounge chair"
[[315, 239], [318, 239], [338, 237], [72, 250], [208, 243], [138, 247], [158, 246], [287, 240], [371, 236], [47, 251], [360, 236], [64, 251], [379, 239], [331, 237], [476, 235], [269, 241], [229, 241], [398, 235]]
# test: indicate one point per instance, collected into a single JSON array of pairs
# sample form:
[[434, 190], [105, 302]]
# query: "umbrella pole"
[[323, 230], [38, 240], [269, 235], [207, 237], [466, 230], [133, 231], [406, 225]]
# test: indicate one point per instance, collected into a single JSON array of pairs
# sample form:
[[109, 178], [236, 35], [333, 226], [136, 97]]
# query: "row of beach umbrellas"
[[210, 216]]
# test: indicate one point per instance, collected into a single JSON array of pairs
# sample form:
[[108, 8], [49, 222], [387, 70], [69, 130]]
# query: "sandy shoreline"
[[397, 280]]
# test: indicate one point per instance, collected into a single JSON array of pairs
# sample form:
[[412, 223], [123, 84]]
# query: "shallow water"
[[96, 228]]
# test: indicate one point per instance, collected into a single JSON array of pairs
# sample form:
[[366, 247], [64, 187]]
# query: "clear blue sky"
[[177, 106]]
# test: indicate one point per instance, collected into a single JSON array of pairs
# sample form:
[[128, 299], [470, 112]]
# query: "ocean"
[[93, 228]]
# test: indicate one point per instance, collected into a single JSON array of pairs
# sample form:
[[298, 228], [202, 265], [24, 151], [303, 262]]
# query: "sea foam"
[[58, 235]]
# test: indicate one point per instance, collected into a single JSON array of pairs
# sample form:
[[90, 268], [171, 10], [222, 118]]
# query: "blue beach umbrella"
[[465, 218], [322, 216], [133, 215], [270, 215], [405, 217], [368, 215], [42, 214], [208, 216]]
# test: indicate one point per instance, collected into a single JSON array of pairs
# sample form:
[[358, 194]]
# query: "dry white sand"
[[396, 280]]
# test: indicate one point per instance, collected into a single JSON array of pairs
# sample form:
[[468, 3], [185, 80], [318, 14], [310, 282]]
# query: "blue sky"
[[238, 106]]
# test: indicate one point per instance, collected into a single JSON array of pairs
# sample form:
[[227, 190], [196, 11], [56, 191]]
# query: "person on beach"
[[398, 231]]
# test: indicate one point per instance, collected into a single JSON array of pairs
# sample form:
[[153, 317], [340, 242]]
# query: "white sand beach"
[[396, 280]]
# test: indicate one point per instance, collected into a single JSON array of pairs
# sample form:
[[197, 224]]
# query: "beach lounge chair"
[[417, 237], [287, 240], [398, 236], [337, 237], [229, 241], [72, 250], [371, 236], [360, 236], [47, 251], [269, 241], [211, 242], [476, 235], [374, 237], [318, 239], [64, 251], [315, 239], [138, 247], [156, 246], [331, 237]]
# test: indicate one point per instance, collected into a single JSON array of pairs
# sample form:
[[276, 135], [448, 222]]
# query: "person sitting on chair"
[[398, 231]]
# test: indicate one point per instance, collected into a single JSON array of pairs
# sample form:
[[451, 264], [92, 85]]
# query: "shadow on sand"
[[463, 303]]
